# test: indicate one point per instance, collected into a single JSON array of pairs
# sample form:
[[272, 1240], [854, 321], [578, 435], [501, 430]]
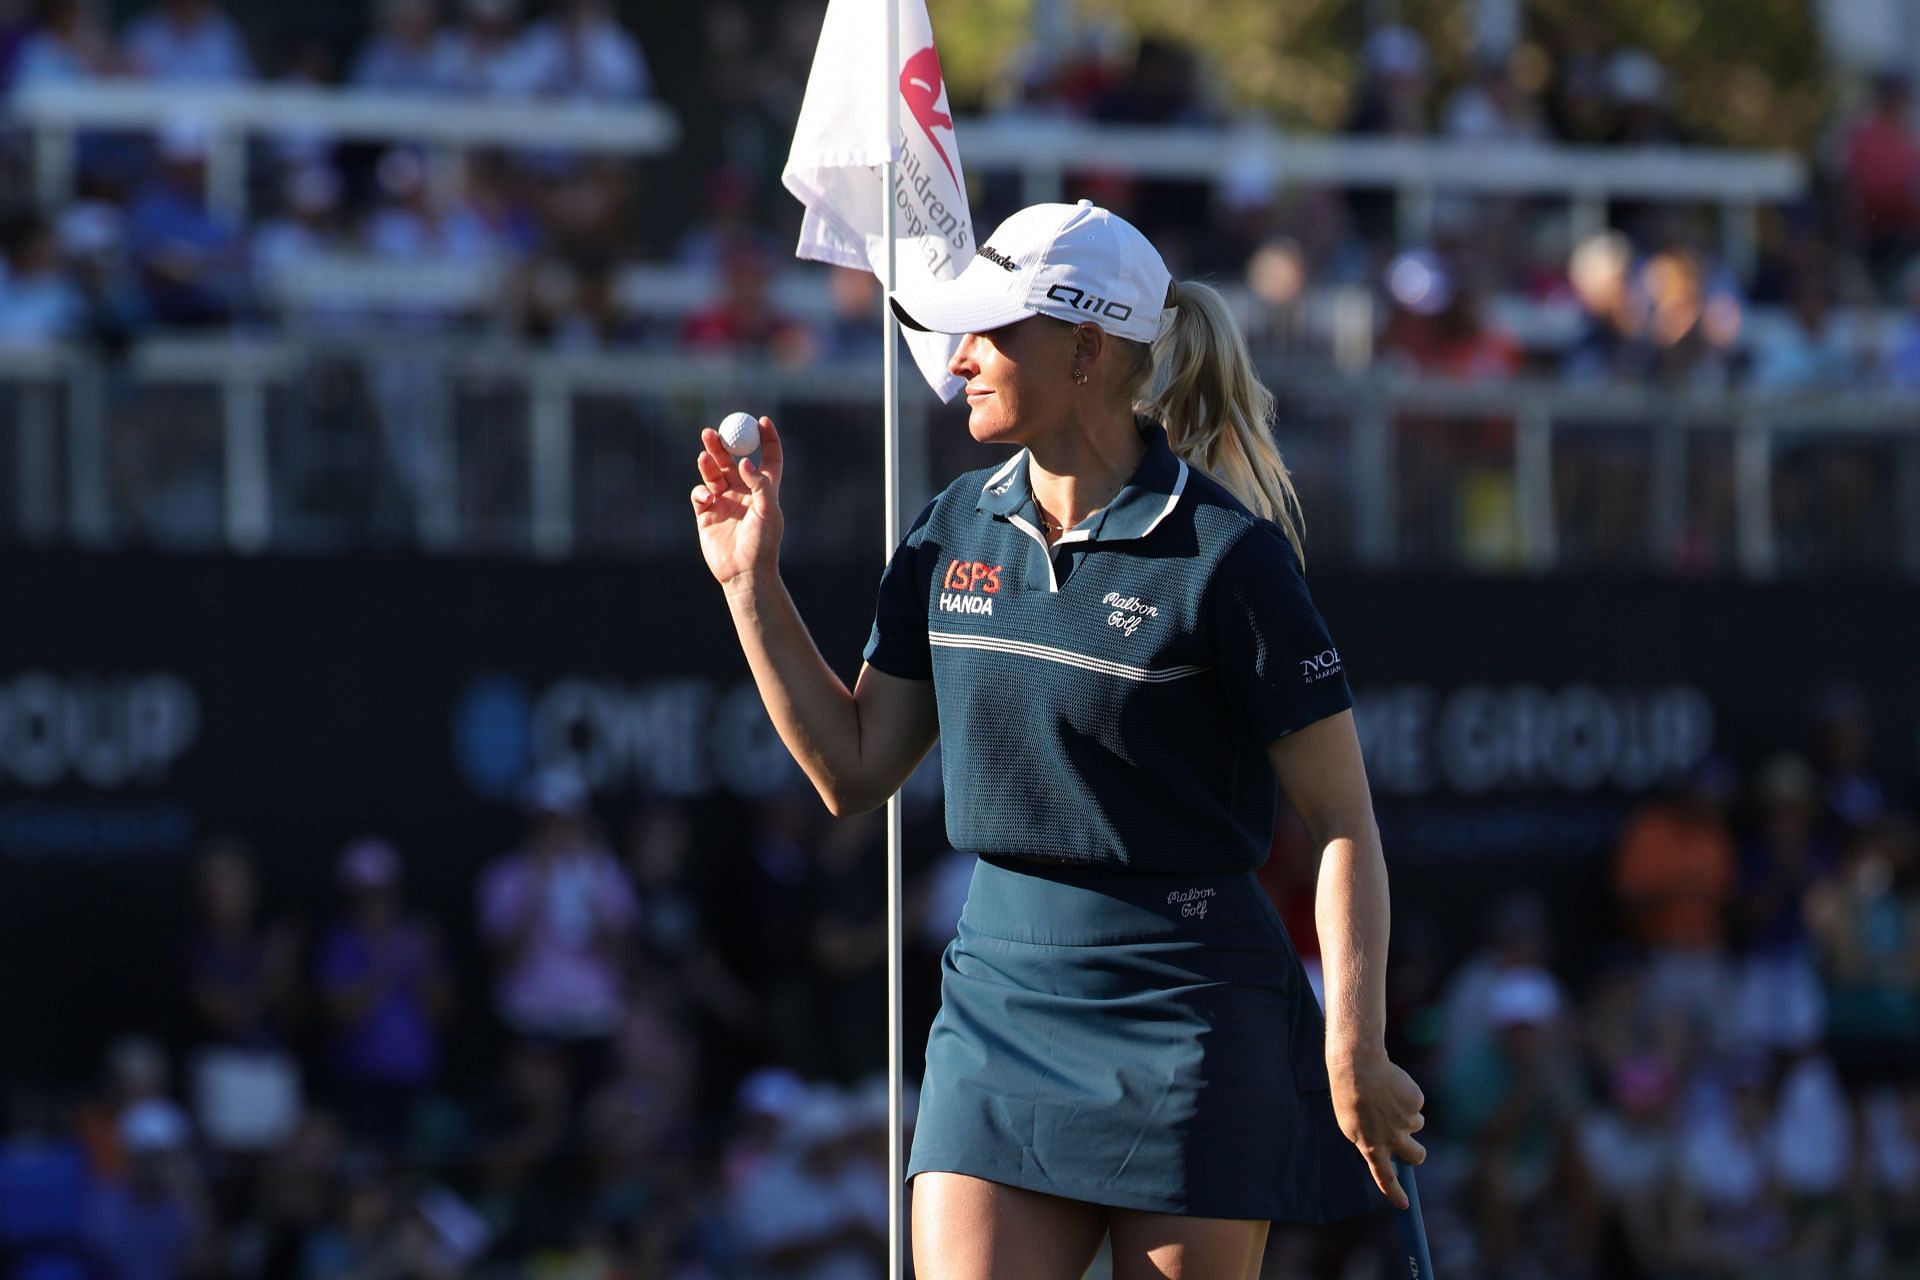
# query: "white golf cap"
[[1075, 262]]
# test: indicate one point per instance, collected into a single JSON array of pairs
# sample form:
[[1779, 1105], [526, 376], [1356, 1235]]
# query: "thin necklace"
[[1049, 525]]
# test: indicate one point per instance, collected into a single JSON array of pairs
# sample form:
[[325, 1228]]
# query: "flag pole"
[[890, 390]]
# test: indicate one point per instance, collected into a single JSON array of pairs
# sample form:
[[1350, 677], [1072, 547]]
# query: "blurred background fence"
[[463, 446]]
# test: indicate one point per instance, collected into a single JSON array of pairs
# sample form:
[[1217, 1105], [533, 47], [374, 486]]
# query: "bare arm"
[[857, 746], [1378, 1104]]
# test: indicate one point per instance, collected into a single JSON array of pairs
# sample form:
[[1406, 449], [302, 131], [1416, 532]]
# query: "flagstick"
[[890, 385]]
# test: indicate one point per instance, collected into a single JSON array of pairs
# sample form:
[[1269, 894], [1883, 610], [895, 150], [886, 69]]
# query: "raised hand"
[[736, 507]]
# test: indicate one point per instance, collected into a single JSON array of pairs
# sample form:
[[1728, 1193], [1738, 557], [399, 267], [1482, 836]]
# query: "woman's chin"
[[987, 427]]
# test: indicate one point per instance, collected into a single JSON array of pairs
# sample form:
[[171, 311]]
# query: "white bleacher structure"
[[58, 405]]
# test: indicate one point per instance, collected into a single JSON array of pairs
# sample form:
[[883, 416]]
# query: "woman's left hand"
[[1378, 1107]]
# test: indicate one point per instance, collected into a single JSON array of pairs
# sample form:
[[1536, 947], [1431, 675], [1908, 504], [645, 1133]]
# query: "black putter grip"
[[1411, 1226]]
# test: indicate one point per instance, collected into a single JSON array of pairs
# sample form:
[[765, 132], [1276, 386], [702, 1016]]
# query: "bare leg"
[[1165, 1246], [967, 1228]]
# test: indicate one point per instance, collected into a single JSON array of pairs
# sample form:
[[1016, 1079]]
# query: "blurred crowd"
[[550, 244], [1731, 1087], [1497, 287], [657, 1055], [626, 1062]]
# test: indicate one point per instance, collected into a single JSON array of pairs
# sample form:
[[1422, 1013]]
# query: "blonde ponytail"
[[1217, 414]]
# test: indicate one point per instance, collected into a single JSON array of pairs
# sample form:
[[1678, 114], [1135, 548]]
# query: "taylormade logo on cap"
[[1076, 262]]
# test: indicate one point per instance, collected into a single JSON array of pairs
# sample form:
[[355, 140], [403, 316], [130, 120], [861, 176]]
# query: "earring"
[[1079, 375]]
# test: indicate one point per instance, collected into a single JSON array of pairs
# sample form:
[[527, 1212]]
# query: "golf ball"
[[740, 433]]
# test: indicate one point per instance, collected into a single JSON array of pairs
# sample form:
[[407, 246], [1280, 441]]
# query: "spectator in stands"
[[67, 42], [136, 1070], [586, 207], [155, 1225], [671, 934], [727, 223], [364, 1234], [814, 1210], [1437, 326], [1902, 363], [1865, 920], [1854, 796], [531, 1180], [1637, 89], [306, 232], [483, 53], [40, 304], [1609, 346], [415, 224], [1887, 1198], [1883, 178], [1815, 351], [403, 54], [16, 23], [1674, 875], [1165, 86], [243, 976], [1517, 938], [296, 1193], [1728, 1216], [1392, 96], [569, 307], [582, 52], [1492, 107], [745, 318], [96, 237], [44, 1187], [191, 260], [1630, 1147], [1813, 1162], [557, 913], [243, 986], [388, 994], [187, 41], [640, 1131], [763, 1105], [1781, 1005], [1578, 105], [847, 947], [851, 329], [1518, 1103], [1689, 322]]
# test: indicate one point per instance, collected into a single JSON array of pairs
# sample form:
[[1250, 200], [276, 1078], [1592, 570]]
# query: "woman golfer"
[[1111, 637]]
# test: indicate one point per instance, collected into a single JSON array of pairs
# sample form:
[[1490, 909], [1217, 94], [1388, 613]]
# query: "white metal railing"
[[56, 406], [446, 125], [1044, 150]]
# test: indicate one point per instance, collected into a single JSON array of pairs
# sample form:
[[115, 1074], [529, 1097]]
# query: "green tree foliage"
[[1743, 72]]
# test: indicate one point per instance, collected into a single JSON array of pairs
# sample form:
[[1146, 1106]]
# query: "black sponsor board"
[[148, 702]]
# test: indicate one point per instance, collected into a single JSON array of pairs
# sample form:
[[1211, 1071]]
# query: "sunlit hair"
[[1198, 380]]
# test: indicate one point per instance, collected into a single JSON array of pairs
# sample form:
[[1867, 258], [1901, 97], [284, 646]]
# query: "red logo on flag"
[[921, 86]]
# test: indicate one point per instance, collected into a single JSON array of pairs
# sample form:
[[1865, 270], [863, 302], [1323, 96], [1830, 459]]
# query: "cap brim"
[[972, 302]]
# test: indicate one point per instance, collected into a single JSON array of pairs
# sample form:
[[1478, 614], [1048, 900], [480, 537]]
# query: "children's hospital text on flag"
[[841, 142]]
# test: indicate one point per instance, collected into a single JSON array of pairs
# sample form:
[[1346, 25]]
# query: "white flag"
[[840, 144]]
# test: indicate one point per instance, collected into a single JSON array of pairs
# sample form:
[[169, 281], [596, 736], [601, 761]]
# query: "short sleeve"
[[898, 643], [1273, 655]]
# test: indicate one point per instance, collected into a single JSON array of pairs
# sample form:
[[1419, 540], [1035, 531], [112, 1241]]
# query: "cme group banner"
[[147, 704]]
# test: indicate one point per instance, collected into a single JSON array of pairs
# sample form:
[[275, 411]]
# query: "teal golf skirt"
[[1143, 1041]]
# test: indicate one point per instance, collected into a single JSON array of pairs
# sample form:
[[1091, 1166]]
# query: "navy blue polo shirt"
[[1108, 700]]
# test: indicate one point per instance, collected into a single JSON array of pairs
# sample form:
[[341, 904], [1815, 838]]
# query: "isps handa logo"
[[969, 587]]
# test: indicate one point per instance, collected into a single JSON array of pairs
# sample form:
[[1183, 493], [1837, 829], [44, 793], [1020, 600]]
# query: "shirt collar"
[[1149, 496]]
